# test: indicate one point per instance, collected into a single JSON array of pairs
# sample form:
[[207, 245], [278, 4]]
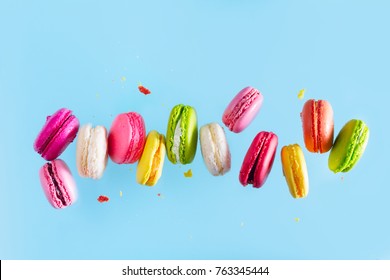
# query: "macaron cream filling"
[[176, 141], [155, 169], [57, 190], [217, 152]]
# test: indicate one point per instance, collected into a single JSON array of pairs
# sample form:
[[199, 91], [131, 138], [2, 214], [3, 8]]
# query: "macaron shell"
[[242, 109], [185, 117], [349, 146], [91, 151], [318, 125], [215, 149], [58, 184], [150, 165], [295, 170], [126, 138], [259, 159], [59, 131]]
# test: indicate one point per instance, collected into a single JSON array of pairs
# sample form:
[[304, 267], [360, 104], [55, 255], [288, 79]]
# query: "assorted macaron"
[[59, 130], [127, 143], [151, 163], [259, 159], [349, 146], [318, 127], [91, 151], [295, 170], [182, 134], [126, 138], [215, 149], [242, 109], [58, 184]]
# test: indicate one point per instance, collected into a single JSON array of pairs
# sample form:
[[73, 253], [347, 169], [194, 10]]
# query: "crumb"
[[188, 174], [103, 198], [301, 93], [296, 219], [120, 193], [160, 195], [143, 89], [123, 79]]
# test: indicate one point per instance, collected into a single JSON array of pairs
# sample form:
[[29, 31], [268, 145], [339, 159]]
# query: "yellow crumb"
[[123, 79], [296, 219], [188, 174], [120, 193], [301, 93]]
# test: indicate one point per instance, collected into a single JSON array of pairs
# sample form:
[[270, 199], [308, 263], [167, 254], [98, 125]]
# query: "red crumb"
[[144, 90], [159, 194], [103, 198]]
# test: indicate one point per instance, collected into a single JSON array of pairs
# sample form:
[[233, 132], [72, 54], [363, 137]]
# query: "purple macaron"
[[58, 132]]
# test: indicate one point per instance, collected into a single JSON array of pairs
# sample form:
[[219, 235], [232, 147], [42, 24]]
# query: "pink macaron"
[[126, 138], [58, 184], [58, 132], [242, 109], [259, 159]]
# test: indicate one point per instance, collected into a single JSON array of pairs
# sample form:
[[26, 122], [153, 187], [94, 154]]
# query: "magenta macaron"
[[259, 159], [126, 138], [57, 133], [58, 184], [242, 109]]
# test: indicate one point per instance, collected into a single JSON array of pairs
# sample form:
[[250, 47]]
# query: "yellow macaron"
[[151, 163], [295, 170]]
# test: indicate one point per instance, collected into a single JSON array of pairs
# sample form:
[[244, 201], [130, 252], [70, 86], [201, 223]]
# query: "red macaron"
[[318, 125], [259, 159]]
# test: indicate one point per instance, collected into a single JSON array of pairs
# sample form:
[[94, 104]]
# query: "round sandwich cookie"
[[182, 134]]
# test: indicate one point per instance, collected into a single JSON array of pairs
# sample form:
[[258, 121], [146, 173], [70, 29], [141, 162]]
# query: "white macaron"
[[215, 149], [91, 151]]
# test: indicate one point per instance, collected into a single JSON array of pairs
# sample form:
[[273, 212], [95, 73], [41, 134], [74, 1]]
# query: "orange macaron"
[[318, 125]]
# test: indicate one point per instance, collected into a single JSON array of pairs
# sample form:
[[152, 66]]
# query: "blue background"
[[90, 56]]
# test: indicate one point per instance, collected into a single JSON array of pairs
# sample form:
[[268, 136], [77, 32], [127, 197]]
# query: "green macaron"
[[349, 146], [182, 134]]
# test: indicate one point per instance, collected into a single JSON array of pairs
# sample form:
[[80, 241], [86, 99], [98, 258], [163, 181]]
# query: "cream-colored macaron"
[[91, 151], [215, 149]]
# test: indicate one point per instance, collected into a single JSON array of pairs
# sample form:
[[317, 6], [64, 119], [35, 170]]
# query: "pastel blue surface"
[[89, 56]]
